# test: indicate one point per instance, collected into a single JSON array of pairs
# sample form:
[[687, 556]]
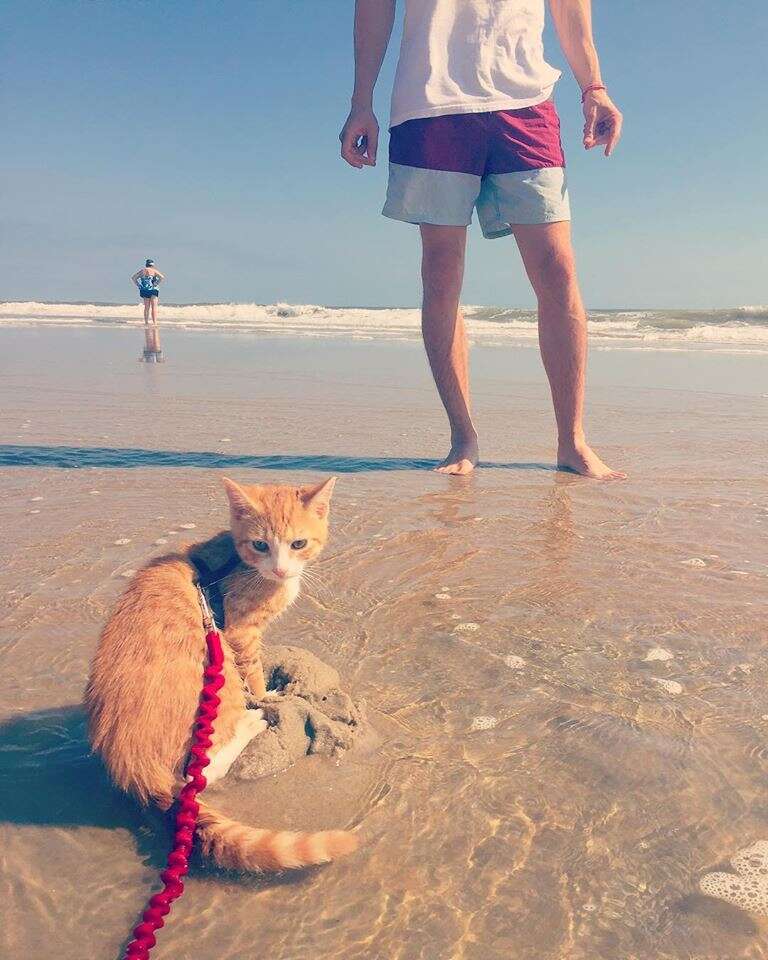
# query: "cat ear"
[[239, 502], [319, 498]]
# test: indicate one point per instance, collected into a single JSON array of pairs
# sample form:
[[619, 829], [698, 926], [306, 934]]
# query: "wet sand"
[[541, 789]]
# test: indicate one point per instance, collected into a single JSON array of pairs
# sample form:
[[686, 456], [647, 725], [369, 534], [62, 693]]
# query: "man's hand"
[[602, 121], [360, 138]]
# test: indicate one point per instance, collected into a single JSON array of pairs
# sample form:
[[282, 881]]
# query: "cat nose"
[[279, 572]]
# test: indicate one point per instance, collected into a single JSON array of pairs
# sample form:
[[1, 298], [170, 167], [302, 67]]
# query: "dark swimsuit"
[[148, 286]]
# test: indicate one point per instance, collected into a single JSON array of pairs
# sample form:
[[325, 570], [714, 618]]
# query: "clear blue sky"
[[204, 134]]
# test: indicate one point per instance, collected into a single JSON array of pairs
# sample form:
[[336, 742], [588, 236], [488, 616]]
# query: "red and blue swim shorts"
[[508, 164]]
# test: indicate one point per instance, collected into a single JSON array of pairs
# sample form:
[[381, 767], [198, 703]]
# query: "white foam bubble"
[[671, 686], [484, 723], [748, 886], [658, 653], [514, 662], [122, 541], [467, 627]]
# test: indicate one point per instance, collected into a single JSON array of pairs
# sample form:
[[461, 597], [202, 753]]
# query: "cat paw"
[[254, 695], [254, 722]]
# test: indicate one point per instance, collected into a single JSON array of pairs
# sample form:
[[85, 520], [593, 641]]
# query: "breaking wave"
[[739, 328]]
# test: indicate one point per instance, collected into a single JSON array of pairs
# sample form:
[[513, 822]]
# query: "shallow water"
[[576, 820]]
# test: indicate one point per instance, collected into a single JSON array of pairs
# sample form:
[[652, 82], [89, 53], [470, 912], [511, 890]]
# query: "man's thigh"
[[547, 252], [441, 238], [442, 264]]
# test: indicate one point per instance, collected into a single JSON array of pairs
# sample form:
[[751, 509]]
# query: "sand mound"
[[308, 713], [748, 887]]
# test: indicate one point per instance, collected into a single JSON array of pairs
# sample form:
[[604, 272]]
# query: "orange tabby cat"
[[146, 676]]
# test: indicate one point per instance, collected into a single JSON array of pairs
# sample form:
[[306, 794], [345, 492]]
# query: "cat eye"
[[298, 544], [261, 546]]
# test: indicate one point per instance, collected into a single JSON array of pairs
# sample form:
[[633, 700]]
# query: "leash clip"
[[208, 621]]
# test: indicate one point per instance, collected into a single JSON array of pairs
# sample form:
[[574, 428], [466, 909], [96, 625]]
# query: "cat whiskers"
[[313, 580], [252, 576]]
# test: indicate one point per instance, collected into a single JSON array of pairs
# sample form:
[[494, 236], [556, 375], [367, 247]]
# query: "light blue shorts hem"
[[441, 197], [417, 218], [508, 229], [445, 198]]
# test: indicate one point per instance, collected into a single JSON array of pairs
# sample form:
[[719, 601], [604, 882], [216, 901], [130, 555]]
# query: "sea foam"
[[735, 329]]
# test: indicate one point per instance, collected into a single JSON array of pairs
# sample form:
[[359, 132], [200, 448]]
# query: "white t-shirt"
[[470, 56]]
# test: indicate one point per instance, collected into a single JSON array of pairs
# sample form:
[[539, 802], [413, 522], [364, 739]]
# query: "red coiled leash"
[[159, 905]]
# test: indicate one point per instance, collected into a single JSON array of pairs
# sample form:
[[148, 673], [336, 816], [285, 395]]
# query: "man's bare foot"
[[462, 458], [583, 460]]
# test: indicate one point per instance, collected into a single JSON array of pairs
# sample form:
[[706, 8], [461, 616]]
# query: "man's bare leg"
[[549, 262], [445, 338]]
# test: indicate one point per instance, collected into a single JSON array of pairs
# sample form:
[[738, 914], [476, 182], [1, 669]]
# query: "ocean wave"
[[744, 327]]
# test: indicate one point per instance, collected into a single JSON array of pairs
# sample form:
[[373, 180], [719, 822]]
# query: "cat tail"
[[235, 846]]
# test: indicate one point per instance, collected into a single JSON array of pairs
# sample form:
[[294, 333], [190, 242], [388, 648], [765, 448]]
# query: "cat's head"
[[279, 529]]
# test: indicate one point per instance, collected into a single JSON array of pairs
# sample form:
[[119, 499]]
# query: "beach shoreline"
[[548, 786], [732, 330]]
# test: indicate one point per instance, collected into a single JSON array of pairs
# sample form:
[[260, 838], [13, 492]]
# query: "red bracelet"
[[594, 86]]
